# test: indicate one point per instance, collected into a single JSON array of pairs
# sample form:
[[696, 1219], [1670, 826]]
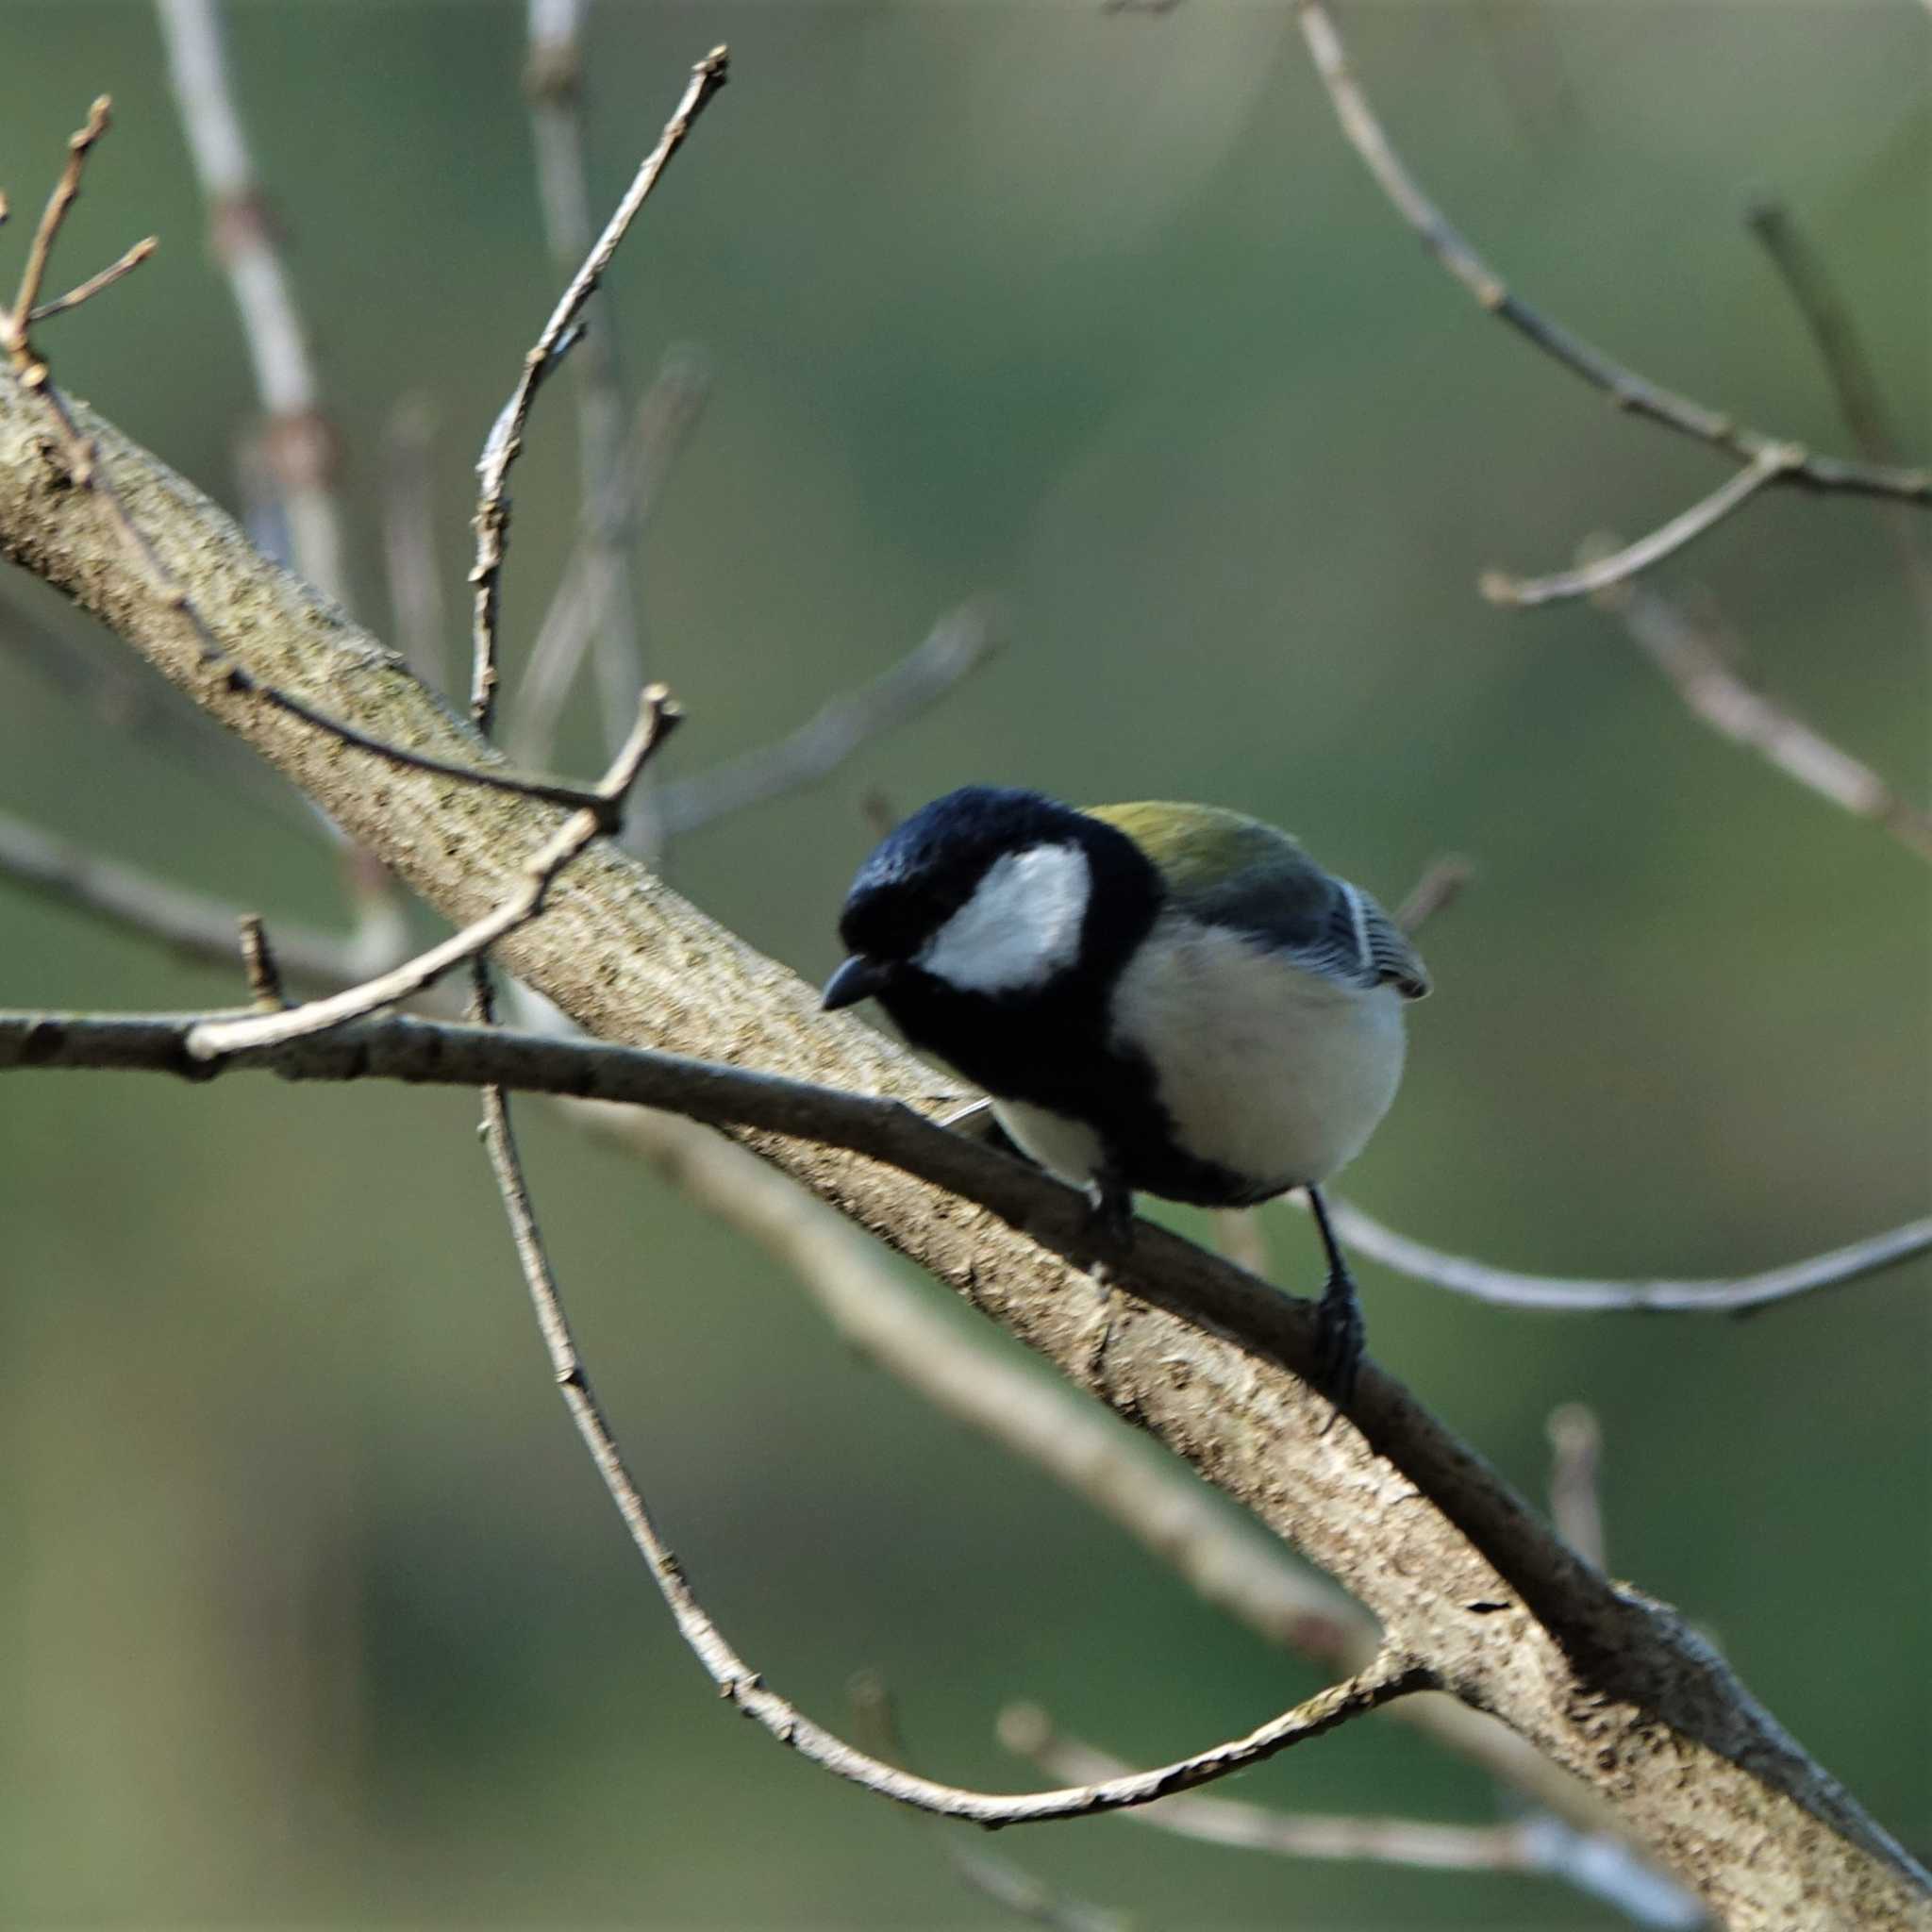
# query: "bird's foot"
[[1338, 1336], [1109, 1229], [1110, 1216]]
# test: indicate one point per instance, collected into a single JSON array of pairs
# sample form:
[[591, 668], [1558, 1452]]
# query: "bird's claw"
[[1339, 1332]]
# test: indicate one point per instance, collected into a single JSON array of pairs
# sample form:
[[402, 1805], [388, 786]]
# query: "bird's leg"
[[1110, 1223], [1110, 1212], [1338, 1329]]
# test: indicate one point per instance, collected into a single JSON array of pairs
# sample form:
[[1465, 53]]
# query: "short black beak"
[[858, 979]]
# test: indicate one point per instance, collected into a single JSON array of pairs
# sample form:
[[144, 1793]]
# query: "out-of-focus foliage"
[[312, 1610]]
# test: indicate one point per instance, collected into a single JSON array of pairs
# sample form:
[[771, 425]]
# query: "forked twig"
[[82, 291], [86, 472], [1772, 461], [553, 81], [1625, 387], [875, 1718], [505, 444], [657, 714], [1801, 269], [1591, 1862]]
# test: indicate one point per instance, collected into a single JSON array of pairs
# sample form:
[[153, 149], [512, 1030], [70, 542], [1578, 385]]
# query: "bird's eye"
[[889, 924]]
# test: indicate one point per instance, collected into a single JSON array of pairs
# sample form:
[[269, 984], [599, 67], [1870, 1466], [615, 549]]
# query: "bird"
[[1159, 998]]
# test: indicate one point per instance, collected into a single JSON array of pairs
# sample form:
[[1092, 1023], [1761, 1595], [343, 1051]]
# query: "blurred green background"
[[313, 1610]]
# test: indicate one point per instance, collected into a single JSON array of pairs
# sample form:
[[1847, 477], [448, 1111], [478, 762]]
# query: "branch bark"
[[1607, 1683]]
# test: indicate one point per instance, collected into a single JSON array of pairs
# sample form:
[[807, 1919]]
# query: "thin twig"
[[1579, 1295], [504, 442], [298, 442], [17, 321], [1626, 389], [1713, 691], [258, 963], [1849, 369], [656, 716], [660, 426], [1772, 461], [955, 646], [1576, 1442], [1443, 881], [190, 923], [554, 84], [1593, 1862], [94, 284]]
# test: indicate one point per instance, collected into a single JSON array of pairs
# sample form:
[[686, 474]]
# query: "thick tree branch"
[[1607, 1683]]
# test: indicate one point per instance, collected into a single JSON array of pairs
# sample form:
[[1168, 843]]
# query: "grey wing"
[[1322, 922]]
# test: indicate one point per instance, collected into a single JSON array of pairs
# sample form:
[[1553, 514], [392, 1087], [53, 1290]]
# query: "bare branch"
[[1443, 881], [1574, 1294], [297, 442], [554, 82], [1841, 350], [17, 321], [1593, 1862], [656, 716], [1390, 1676], [660, 429], [1774, 460], [86, 475], [1626, 389], [956, 645], [1713, 691], [505, 442], [875, 1718], [94, 284], [1576, 1442], [1611, 1684], [188, 924]]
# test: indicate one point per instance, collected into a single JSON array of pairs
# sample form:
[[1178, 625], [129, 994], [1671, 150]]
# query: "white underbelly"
[[1274, 1073]]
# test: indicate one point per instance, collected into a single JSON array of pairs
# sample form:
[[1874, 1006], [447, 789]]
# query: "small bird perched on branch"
[[1165, 998]]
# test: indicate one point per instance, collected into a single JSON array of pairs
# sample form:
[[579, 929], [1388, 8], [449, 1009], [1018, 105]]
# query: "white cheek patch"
[[1021, 927]]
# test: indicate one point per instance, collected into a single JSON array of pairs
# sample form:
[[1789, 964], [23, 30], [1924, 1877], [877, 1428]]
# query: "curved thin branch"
[[1774, 460], [1390, 1675], [1625, 387], [1574, 1294]]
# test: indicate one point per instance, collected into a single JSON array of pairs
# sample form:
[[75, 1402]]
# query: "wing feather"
[[1235, 871]]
